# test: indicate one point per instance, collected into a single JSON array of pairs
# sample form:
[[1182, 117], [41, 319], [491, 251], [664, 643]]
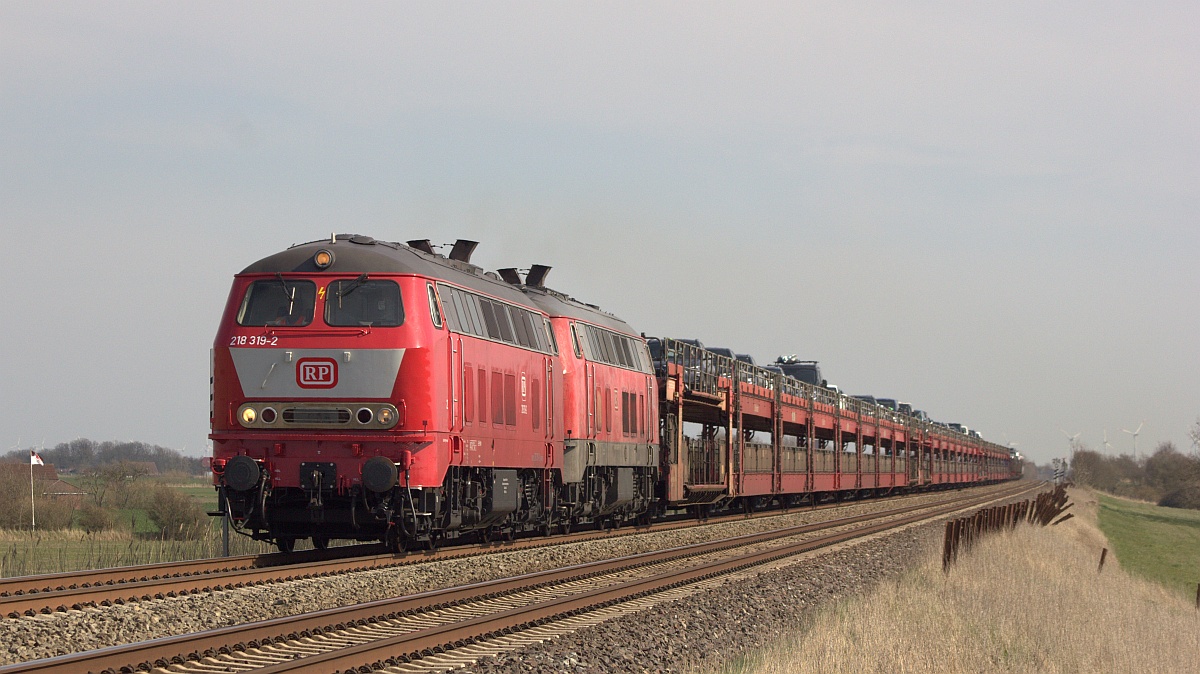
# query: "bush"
[[93, 518], [14, 505], [1187, 496], [14, 501], [54, 515], [175, 515]]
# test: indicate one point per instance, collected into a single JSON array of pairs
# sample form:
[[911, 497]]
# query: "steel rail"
[[66, 591], [167, 650], [48, 582], [66, 580], [414, 645]]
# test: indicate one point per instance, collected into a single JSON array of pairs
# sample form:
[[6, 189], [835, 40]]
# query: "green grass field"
[[1162, 544]]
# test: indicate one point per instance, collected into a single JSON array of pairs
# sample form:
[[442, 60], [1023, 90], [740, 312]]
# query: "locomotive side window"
[[489, 318], [521, 328], [465, 324], [618, 352], [471, 303], [355, 302], [506, 329], [434, 312], [278, 302], [604, 340], [609, 347], [527, 334], [470, 314], [550, 334], [627, 352], [536, 339], [448, 305], [575, 342]]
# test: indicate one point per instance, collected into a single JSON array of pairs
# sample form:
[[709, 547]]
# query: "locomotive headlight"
[[386, 416], [248, 416], [323, 258]]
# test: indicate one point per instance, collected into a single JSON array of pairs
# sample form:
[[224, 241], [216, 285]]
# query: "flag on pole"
[[35, 459]]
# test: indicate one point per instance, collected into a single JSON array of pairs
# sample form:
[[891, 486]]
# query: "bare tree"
[[126, 486], [101, 482]]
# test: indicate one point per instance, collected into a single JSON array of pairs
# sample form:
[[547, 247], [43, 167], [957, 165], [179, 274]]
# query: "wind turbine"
[[1135, 434], [1106, 445], [1071, 440]]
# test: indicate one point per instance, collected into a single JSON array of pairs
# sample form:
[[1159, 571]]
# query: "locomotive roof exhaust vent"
[[510, 275], [462, 250], [537, 276], [422, 245]]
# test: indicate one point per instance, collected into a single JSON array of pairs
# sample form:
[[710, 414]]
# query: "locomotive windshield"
[[363, 302], [278, 302]]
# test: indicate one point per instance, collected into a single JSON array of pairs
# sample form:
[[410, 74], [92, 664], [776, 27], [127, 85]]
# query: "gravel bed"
[[710, 628], [60, 633]]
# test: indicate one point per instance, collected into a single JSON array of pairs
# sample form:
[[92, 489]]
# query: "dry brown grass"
[[26, 552], [1024, 601]]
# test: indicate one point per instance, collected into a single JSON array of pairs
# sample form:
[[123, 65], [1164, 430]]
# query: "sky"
[[987, 210]]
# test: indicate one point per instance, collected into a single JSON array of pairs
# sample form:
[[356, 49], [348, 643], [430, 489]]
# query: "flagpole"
[[32, 503]]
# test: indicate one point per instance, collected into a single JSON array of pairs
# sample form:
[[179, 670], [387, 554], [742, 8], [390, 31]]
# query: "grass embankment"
[[24, 553], [1029, 600], [132, 541], [1161, 544]]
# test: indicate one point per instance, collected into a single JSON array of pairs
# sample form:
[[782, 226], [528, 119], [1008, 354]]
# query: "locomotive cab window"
[[434, 312], [278, 301], [361, 302]]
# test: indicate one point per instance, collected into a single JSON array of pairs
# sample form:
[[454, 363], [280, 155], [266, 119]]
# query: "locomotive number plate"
[[253, 340]]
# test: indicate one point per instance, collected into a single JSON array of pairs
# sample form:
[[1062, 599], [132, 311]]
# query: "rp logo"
[[316, 373]]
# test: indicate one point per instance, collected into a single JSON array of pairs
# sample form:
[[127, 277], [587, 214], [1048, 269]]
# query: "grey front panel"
[[360, 373]]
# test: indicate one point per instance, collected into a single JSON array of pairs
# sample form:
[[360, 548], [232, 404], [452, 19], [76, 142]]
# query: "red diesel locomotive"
[[370, 390]]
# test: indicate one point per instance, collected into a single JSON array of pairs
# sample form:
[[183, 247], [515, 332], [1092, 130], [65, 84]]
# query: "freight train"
[[370, 390]]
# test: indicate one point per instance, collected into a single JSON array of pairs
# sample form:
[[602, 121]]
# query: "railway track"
[[43, 594], [467, 622], [50, 582]]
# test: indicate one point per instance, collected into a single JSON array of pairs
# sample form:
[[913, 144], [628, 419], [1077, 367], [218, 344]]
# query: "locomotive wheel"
[[285, 543], [564, 527], [320, 543]]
